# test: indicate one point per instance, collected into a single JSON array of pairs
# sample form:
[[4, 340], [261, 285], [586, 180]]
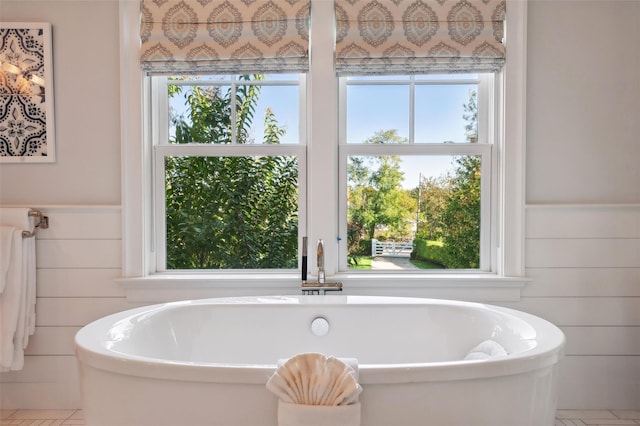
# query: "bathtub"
[[206, 362]]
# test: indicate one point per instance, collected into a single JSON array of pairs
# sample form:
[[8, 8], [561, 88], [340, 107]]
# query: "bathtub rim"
[[92, 352]]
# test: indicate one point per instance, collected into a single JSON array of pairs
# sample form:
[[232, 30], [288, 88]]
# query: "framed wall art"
[[27, 132]]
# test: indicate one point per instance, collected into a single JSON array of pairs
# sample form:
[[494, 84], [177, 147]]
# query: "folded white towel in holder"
[[316, 390], [318, 415]]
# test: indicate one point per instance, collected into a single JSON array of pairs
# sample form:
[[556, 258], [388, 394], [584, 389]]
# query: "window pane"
[[413, 212], [199, 114], [266, 110], [231, 212], [373, 108], [276, 116], [281, 77], [445, 113]]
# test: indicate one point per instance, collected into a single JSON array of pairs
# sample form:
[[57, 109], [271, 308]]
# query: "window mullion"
[[233, 111], [160, 210], [160, 136], [487, 222], [322, 129], [412, 108], [415, 149]]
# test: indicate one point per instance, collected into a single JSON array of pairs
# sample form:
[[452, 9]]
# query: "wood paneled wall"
[[585, 264], [584, 261], [77, 259]]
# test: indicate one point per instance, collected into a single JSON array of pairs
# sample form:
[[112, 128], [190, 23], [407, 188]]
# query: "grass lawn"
[[424, 264], [362, 262]]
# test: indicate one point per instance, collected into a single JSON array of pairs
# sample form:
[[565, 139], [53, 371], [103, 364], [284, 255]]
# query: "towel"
[[12, 301], [485, 350], [314, 390], [18, 298], [7, 234], [318, 415]]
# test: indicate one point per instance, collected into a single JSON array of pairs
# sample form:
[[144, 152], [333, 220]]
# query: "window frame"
[[162, 148], [484, 147], [142, 284]]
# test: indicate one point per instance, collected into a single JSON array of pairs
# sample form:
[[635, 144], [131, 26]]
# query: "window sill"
[[468, 287]]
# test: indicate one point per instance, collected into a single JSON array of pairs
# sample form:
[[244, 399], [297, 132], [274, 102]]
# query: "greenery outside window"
[[418, 165], [228, 158]]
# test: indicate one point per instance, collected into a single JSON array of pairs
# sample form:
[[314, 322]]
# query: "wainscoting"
[[584, 261], [585, 264], [78, 257]]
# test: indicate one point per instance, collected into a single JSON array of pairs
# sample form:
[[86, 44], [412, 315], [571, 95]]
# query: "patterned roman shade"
[[224, 36], [419, 36]]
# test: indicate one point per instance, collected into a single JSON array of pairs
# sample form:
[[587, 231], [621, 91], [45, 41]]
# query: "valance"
[[419, 36], [224, 36]]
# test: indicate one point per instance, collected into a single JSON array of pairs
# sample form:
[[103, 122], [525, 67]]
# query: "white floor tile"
[[76, 418], [42, 414], [5, 414], [627, 414], [585, 414]]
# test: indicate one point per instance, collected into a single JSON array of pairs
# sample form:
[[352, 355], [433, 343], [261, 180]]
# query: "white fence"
[[391, 248]]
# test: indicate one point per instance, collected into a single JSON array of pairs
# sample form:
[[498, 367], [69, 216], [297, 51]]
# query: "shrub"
[[429, 250]]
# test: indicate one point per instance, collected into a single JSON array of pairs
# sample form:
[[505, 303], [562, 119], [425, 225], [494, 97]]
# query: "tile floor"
[[597, 417], [41, 417], [75, 417]]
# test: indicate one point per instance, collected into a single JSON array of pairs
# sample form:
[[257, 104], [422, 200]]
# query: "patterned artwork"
[[26, 118], [226, 35]]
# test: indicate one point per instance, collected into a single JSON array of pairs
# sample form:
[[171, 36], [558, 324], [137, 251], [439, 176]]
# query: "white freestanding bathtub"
[[206, 362]]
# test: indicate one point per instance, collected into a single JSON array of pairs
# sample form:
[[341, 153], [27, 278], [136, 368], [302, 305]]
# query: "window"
[[416, 154], [228, 153], [327, 146]]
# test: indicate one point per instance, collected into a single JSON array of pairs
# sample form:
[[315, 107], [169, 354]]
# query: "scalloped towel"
[[485, 350]]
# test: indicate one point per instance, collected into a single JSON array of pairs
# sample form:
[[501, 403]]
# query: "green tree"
[[460, 231], [233, 212], [376, 198], [432, 195]]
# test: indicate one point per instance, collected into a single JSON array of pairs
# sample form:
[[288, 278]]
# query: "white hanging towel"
[[18, 298], [7, 235], [316, 390], [12, 299]]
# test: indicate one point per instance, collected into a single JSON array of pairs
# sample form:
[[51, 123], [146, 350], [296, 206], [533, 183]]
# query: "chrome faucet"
[[320, 250], [321, 285]]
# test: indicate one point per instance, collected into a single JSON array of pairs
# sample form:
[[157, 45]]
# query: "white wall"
[[583, 195], [79, 256], [86, 89]]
